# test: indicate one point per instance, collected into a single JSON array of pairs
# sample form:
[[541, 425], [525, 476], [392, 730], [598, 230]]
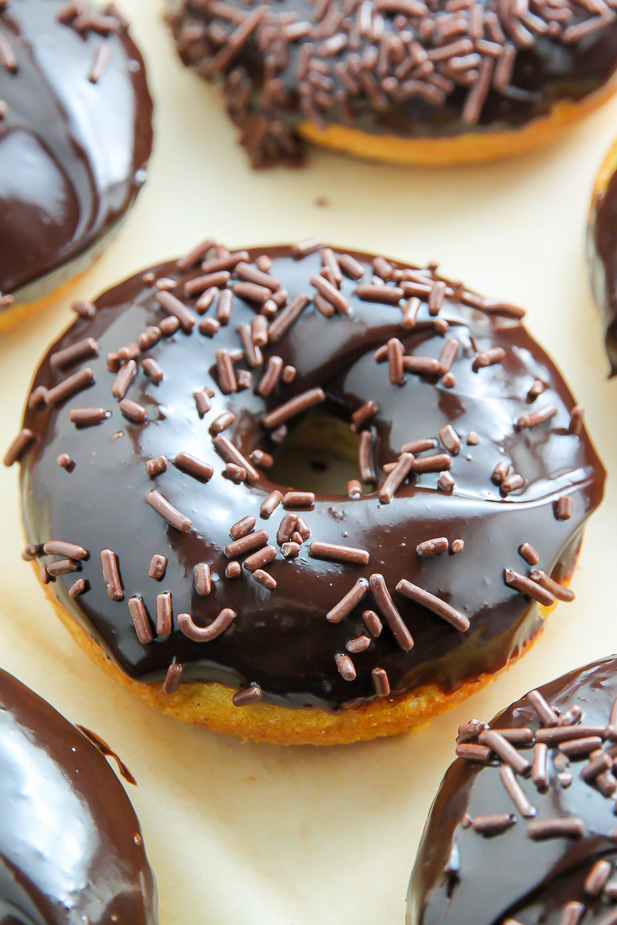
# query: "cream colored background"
[[240, 833]]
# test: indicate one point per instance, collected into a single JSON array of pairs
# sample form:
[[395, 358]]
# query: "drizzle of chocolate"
[[294, 611], [557, 859], [72, 848], [602, 252], [75, 137], [408, 68]]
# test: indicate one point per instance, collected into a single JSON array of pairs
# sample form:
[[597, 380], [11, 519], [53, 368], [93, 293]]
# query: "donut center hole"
[[320, 455]]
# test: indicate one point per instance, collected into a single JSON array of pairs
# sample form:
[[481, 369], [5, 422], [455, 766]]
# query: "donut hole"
[[320, 455]]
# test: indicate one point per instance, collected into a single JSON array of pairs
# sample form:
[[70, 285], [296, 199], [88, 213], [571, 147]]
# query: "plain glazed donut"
[[75, 138], [404, 81], [70, 843], [171, 554], [523, 831]]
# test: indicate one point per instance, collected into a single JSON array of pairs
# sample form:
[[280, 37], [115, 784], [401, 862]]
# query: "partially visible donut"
[[406, 81], [71, 849], [523, 829], [75, 138], [154, 524], [602, 250]]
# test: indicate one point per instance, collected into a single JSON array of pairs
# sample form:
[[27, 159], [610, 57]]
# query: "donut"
[[72, 849], [75, 138], [522, 831], [432, 82], [602, 251], [268, 607]]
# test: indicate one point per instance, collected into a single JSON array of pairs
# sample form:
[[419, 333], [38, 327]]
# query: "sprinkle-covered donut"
[[406, 81], [523, 830], [75, 137], [602, 250], [182, 563], [71, 846]]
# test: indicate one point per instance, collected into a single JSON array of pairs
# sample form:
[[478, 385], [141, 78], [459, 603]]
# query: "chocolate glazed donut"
[[523, 829], [75, 137], [144, 454], [602, 251], [71, 849], [407, 81]]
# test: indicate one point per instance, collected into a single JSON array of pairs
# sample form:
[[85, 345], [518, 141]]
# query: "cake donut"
[[523, 829], [602, 251], [263, 608], [75, 138], [70, 843], [404, 81]]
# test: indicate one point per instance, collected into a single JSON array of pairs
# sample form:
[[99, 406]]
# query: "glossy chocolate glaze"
[[70, 843], [281, 639], [263, 92], [602, 251], [72, 152], [510, 875]]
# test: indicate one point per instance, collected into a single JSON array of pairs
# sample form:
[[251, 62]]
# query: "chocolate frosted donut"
[[75, 137], [70, 843], [602, 251], [163, 538], [523, 830], [406, 81]]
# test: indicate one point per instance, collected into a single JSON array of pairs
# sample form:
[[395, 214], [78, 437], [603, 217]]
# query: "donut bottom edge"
[[43, 291], [209, 704], [471, 148]]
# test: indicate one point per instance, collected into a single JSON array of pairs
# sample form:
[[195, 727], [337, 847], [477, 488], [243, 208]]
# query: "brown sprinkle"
[[251, 694], [527, 586], [349, 601], [169, 513], [78, 588], [571, 827], [172, 678], [295, 406], [69, 387], [18, 447], [533, 418], [345, 667], [157, 567], [74, 353], [259, 559], [432, 547], [156, 465], [164, 620], [141, 620], [111, 575], [331, 551], [528, 553], [264, 579], [391, 615], [435, 604], [300, 499], [506, 752], [205, 633]]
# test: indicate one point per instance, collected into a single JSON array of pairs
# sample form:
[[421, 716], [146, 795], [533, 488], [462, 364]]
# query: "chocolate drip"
[[75, 137], [70, 842], [396, 67], [167, 483], [464, 878]]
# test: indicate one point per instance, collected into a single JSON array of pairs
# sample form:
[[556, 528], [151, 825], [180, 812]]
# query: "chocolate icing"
[[510, 875], [602, 250], [72, 153], [70, 843], [369, 65], [280, 639]]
